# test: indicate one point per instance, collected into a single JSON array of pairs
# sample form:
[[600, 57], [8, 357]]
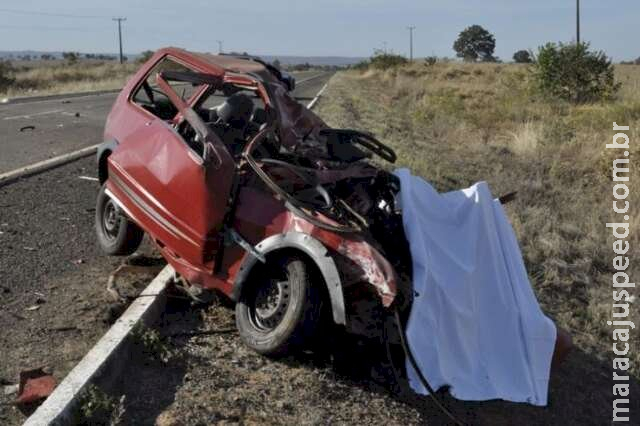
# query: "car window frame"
[[139, 84], [195, 156]]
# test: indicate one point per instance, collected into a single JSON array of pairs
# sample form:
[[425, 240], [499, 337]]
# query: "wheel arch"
[[104, 151], [314, 250]]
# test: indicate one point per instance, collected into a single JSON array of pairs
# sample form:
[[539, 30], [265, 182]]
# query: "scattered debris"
[[78, 262], [29, 248], [35, 386], [77, 114], [91, 178], [10, 389], [66, 101], [33, 308], [62, 328], [137, 264], [30, 127], [5, 100]]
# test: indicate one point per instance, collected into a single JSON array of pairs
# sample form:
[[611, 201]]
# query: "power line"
[[46, 28], [61, 15]]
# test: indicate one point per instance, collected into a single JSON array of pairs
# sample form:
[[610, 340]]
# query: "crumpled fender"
[[312, 248]]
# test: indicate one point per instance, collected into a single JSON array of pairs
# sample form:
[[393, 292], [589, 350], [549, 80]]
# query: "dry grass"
[[455, 124], [53, 77]]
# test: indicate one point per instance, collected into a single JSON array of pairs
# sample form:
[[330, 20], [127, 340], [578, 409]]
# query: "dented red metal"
[[181, 199]]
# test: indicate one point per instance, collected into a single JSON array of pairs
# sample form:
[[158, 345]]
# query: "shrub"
[[430, 60], [383, 60], [522, 57], [71, 57], [574, 73], [6, 75]]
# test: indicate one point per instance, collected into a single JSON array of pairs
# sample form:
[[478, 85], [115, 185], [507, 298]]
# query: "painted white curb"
[[58, 407], [47, 164]]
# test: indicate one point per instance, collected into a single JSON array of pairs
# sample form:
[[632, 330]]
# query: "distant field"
[[455, 124], [34, 78]]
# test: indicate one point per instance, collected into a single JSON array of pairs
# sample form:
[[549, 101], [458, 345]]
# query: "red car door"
[[175, 194]]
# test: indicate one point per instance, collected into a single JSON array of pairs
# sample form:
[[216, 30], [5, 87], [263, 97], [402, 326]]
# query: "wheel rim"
[[110, 220], [269, 304]]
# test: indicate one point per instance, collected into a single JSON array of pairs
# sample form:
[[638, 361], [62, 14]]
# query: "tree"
[[276, 63], [574, 73], [522, 57], [475, 43], [71, 57]]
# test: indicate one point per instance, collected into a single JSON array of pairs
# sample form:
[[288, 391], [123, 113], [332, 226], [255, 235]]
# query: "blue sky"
[[315, 27]]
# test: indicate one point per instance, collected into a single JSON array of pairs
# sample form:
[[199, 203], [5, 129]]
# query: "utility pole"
[[119, 20], [577, 21], [411, 42], [219, 46]]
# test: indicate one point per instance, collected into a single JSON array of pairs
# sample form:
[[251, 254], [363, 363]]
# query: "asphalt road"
[[64, 125]]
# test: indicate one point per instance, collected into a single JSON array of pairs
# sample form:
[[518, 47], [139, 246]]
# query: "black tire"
[[280, 308], [117, 235]]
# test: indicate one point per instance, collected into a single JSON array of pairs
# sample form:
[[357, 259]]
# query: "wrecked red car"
[[246, 191]]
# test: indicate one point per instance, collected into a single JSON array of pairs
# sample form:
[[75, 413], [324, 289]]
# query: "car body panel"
[[182, 202]]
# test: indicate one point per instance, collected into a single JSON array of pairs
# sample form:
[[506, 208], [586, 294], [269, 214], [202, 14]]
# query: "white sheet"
[[475, 323]]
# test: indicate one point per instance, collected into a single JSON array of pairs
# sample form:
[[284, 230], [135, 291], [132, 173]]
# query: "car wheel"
[[117, 235], [280, 308]]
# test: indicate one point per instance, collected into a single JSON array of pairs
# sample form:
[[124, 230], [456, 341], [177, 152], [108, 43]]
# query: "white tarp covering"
[[475, 323]]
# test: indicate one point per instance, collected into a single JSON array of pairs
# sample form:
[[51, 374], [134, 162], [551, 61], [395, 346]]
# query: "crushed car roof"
[[218, 64]]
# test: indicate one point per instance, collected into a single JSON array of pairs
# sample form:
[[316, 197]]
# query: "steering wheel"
[[316, 196]]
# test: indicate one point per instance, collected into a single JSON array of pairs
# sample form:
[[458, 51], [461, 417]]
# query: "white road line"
[[58, 98], [311, 78], [46, 164], [314, 101], [27, 116], [93, 179]]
